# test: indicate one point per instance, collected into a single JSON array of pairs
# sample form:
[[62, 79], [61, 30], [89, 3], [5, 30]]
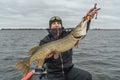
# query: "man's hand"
[[54, 54], [92, 12]]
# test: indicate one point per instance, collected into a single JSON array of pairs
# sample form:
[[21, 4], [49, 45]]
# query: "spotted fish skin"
[[40, 53]]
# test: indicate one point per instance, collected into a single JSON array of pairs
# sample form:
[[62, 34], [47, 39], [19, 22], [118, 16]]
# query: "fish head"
[[80, 30]]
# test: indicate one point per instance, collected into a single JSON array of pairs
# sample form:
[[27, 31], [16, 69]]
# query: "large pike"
[[40, 53]]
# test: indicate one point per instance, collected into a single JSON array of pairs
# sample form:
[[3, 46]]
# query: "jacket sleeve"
[[44, 40], [88, 26]]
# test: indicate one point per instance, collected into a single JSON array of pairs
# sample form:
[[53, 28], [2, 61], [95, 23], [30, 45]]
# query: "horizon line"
[[47, 28]]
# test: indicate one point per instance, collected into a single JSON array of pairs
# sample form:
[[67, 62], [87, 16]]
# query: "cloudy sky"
[[36, 13]]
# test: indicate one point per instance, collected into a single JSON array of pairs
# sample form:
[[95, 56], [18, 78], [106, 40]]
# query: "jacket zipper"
[[62, 64]]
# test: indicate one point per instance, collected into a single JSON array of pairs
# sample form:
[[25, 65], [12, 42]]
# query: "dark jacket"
[[64, 62]]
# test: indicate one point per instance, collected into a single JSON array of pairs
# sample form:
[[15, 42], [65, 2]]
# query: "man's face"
[[56, 29], [56, 25]]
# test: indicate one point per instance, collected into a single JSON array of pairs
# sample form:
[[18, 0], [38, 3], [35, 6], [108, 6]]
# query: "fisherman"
[[62, 68]]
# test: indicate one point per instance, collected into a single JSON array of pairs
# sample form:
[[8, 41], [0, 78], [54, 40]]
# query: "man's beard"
[[56, 32]]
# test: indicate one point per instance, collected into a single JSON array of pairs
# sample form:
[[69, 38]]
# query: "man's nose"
[[56, 24]]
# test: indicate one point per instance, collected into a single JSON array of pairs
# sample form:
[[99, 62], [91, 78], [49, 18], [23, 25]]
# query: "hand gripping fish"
[[40, 53]]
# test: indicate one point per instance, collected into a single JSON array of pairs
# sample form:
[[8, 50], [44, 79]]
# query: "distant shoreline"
[[47, 29], [29, 29], [23, 29]]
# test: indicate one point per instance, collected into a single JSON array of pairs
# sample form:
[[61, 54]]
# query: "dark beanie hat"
[[55, 19]]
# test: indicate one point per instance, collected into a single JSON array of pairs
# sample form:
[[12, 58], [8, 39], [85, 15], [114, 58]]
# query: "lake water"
[[98, 53]]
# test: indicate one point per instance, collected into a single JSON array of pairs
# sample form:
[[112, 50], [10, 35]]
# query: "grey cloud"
[[35, 13]]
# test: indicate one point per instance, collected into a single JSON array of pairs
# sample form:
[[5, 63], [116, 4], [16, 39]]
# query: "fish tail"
[[24, 66]]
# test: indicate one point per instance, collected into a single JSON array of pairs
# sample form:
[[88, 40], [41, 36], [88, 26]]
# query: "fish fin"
[[24, 66], [41, 60], [33, 50], [40, 63], [76, 44]]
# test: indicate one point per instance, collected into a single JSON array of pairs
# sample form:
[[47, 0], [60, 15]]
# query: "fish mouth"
[[77, 37]]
